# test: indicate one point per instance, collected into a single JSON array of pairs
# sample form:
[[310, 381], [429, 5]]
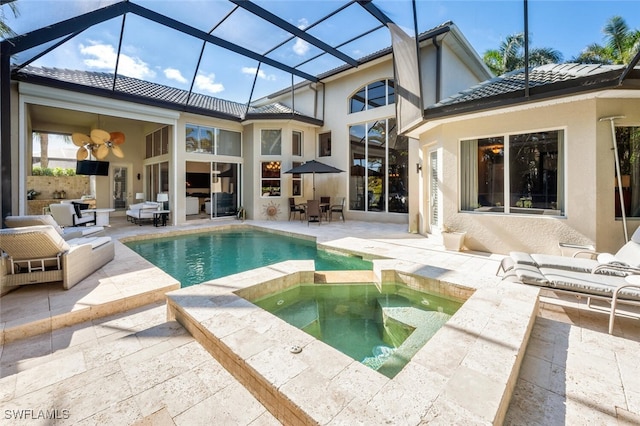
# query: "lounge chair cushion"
[[587, 283], [33, 220], [67, 233], [94, 241]]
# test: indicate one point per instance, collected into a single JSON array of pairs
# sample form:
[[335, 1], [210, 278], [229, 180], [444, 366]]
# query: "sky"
[[164, 56]]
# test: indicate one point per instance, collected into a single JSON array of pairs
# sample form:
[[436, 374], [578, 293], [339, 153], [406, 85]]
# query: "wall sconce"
[[138, 176], [418, 167]]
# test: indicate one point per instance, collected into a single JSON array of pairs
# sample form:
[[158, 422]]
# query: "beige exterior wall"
[[589, 175], [328, 101]]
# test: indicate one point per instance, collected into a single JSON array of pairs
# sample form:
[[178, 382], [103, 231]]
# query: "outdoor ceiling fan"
[[98, 144]]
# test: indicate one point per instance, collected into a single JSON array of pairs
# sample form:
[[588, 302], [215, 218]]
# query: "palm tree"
[[621, 44], [510, 55], [4, 28]]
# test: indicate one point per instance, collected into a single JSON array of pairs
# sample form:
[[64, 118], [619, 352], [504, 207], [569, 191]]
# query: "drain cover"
[[295, 349]]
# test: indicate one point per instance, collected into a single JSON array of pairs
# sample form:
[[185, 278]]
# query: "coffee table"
[[102, 216]]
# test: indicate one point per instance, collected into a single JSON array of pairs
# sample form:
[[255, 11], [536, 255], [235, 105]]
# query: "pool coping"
[[471, 380]]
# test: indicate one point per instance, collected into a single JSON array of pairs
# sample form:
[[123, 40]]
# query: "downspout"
[[438, 47], [5, 131], [526, 49]]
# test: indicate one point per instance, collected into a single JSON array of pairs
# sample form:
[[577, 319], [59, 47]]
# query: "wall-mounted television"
[[198, 180], [90, 167]]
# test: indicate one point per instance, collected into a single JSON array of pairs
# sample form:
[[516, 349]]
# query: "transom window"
[[525, 176], [374, 95], [211, 140]]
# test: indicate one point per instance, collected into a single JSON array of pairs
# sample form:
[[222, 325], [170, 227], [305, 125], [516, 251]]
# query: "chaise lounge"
[[67, 233], [38, 254], [609, 277]]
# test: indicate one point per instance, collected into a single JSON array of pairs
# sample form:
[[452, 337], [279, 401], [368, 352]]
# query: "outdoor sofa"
[[614, 278], [38, 254]]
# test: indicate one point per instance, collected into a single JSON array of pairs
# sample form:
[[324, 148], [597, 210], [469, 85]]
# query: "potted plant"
[[452, 239]]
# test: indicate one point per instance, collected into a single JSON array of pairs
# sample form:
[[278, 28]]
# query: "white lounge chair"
[[625, 261], [67, 214], [67, 233], [604, 278], [38, 254]]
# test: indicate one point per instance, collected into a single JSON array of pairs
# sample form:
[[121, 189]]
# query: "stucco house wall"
[[460, 68], [589, 176]]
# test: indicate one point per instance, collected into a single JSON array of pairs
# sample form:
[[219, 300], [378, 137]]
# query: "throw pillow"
[[76, 207]]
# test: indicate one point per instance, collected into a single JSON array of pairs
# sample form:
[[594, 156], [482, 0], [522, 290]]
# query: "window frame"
[[299, 144], [505, 206], [215, 142], [277, 149], [264, 168], [322, 150], [363, 98], [296, 181]]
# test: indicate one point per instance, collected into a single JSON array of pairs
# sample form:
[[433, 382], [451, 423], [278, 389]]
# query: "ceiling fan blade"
[[117, 138], [82, 154], [101, 152], [80, 139], [99, 136], [117, 151]]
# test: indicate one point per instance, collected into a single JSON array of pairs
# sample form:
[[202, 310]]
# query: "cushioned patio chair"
[[67, 233], [38, 254], [68, 214], [137, 213]]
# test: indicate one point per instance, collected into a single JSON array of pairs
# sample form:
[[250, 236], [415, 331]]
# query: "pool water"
[[194, 258], [383, 330]]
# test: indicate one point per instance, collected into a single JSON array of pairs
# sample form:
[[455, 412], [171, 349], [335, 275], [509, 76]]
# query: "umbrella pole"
[[618, 175]]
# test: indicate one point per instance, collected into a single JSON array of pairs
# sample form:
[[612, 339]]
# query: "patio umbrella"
[[313, 166]]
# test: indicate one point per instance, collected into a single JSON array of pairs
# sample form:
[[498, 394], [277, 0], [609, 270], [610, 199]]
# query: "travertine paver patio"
[[137, 367]]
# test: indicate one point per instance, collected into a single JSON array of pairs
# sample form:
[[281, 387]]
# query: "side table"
[[160, 216]]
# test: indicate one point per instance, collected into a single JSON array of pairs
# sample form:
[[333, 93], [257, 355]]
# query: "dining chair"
[[337, 208], [325, 205], [313, 211], [295, 208]]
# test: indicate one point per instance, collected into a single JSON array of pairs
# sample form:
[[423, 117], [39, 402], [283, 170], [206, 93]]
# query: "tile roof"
[[542, 77], [157, 92]]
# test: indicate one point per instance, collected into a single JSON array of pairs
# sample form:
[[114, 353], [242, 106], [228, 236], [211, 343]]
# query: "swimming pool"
[[383, 329], [194, 258]]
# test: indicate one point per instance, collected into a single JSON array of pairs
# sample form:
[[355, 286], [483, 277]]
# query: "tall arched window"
[[373, 95]]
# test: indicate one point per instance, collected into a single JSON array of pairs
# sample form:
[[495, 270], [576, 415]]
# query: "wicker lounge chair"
[[67, 233], [38, 254], [612, 278]]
